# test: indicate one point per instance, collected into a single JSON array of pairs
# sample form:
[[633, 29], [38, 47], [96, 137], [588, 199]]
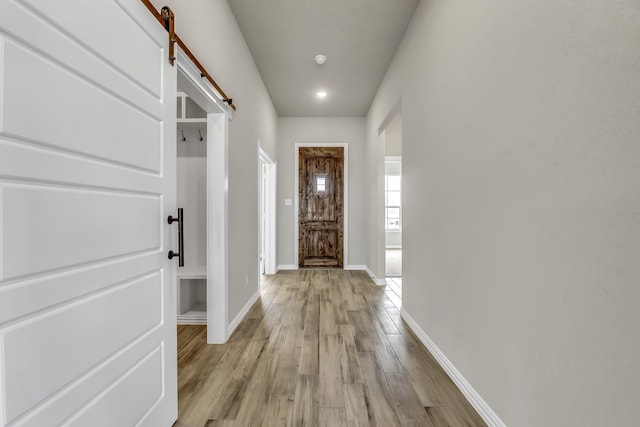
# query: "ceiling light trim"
[[320, 59]]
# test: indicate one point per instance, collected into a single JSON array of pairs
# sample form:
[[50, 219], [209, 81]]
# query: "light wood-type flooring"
[[320, 348]]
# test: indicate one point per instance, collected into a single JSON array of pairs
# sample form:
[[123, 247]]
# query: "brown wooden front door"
[[321, 210]]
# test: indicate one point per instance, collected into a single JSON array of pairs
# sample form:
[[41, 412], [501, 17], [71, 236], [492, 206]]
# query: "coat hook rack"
[[183, 137], [200, 134]]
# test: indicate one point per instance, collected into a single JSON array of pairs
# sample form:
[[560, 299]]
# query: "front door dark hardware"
[[180, 253]]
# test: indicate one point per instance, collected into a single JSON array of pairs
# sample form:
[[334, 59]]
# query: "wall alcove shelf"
[[188, 110], [192, 296]]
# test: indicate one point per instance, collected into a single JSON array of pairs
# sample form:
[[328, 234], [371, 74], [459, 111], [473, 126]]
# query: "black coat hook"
[[183, 137], [200, 134]]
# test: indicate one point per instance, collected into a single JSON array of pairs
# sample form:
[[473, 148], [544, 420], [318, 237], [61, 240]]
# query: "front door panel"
[[321, 210]]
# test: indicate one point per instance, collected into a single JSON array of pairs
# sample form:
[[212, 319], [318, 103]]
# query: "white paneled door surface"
[[87, 180]]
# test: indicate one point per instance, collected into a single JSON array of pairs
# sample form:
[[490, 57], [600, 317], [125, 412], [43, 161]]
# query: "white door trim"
[[296, 193], [270, 200], [197, 88], [217, 228]]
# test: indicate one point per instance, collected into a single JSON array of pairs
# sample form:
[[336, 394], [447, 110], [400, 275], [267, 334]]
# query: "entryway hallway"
[[321, 347]]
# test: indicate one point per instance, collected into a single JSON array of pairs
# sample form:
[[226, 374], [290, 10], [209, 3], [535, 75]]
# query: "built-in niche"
[[192, 197]]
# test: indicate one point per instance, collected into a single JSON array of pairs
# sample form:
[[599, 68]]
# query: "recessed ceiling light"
[[321, 94], [320, 59]]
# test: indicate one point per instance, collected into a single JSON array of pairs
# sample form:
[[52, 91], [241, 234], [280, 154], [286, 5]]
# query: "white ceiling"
[[359, 38]]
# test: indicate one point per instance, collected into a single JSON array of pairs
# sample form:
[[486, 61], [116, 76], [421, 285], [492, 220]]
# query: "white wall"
[[349, 130], [210, 31], [393, 136], [521, 166]]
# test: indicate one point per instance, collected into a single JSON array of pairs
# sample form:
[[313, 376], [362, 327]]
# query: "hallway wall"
[[521, 218], [209, 29], [292, 130]]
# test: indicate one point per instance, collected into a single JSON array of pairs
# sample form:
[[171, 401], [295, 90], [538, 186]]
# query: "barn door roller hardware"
[[169, 23], [166, 18]]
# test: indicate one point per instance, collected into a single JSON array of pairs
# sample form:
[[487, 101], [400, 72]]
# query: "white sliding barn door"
[[87, 180]]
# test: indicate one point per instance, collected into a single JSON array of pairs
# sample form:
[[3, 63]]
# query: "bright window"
[[321, 183], [393, 199]]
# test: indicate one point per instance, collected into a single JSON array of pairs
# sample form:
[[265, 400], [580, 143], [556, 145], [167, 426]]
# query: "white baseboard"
[[380, 282], [236, 320], [393, 247], [487, 414], [368, 271], [287, 267]]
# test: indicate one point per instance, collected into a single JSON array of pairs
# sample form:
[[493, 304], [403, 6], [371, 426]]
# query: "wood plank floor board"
[[309, 354], [250, 402], [424, 372], [332, 417], [393, 285], [359, 301], [233, 387], [253, 404], [299, 309], [321, 347], [347, 292], [384, 320], [205, 386], [305, 402], [330, 377], [409, 409], [443, 416], [350, 359], [313, 308], [394, 314], [338, 303], [328, 324], [357, 409], [362, 338], [272, 316], [215, 423], [418, 368], [395, 300], [377, 391], [278, 411], [284, 382], [386, 355], [374, 333]]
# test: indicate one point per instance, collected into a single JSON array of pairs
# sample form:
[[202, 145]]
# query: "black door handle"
[[180, 253]]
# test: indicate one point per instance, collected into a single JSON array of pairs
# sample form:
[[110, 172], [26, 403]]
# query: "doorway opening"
[[267, 214], [202, 172], [191, 168], [393, 216], [393, 204]]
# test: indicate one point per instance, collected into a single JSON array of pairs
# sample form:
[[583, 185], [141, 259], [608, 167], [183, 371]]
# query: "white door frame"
[[218, 116], [270, 218], [296, 193]]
